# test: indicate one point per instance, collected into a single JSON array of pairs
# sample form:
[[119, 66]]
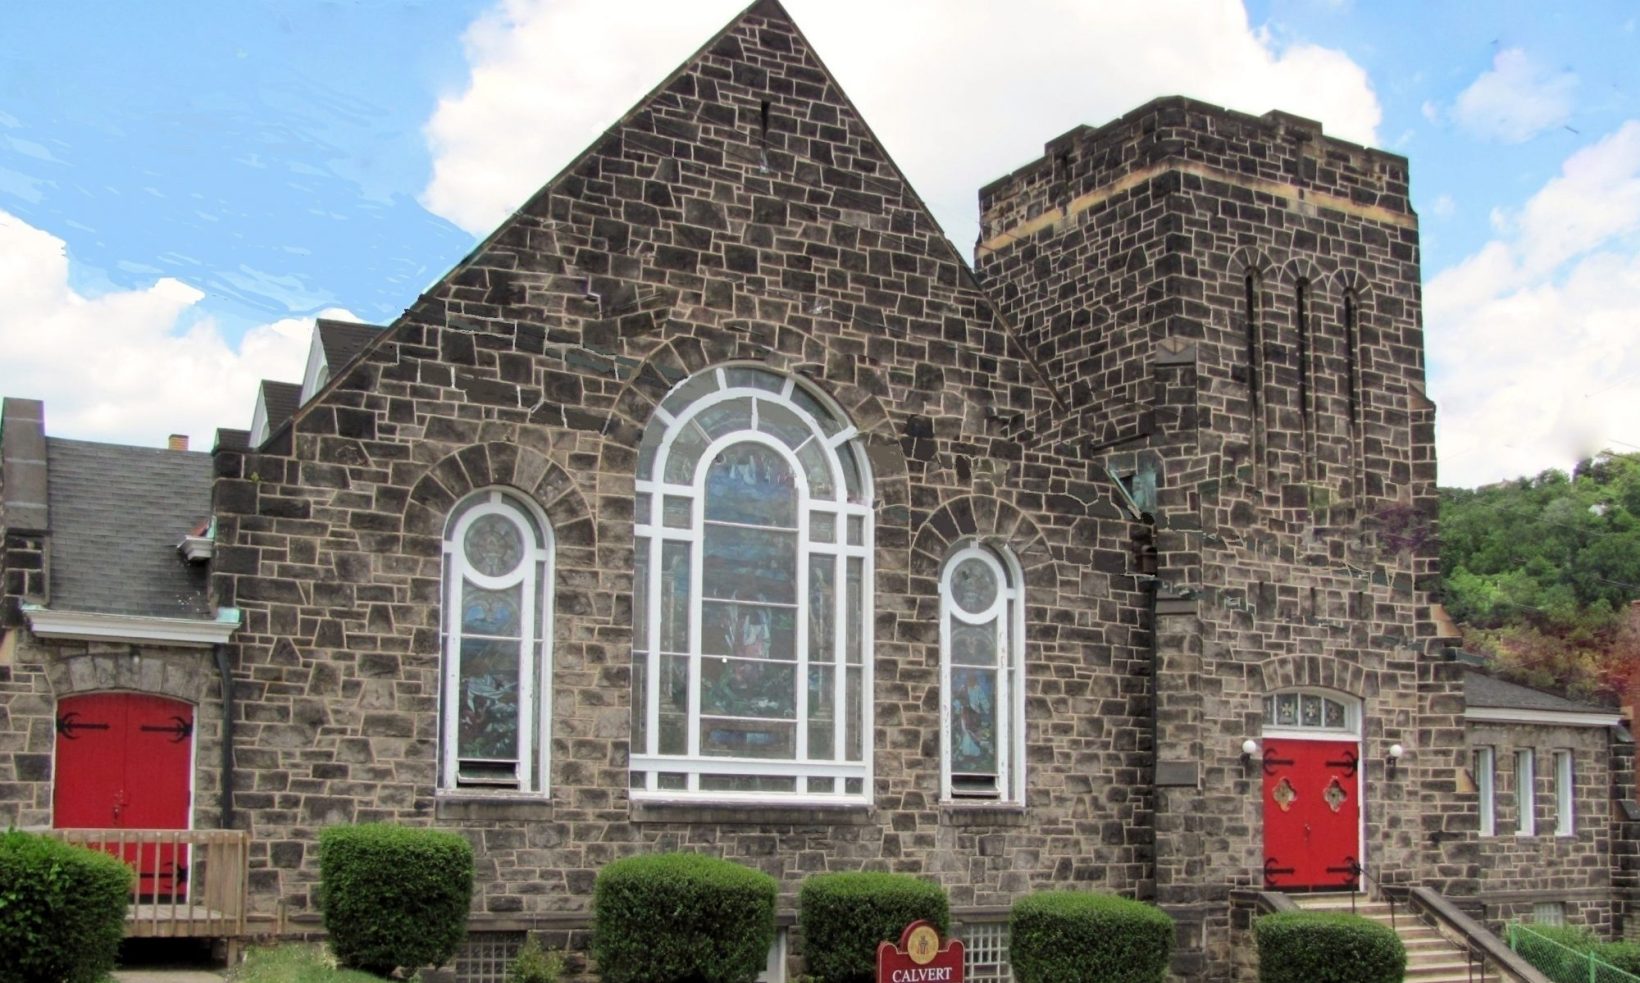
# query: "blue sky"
[[183, 186]]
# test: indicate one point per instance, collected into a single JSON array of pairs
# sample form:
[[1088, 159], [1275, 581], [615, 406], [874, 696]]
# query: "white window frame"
[[1525, 792], [1486, 789], [1007, 612], [836, 438], [533, 768], [1565, 795]]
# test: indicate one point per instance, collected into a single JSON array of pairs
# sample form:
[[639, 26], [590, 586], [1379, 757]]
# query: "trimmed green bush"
[[394, 895], [535, 965], [62, 910], [1319, 947], [843, 917], [1078, 937], [681, 918]]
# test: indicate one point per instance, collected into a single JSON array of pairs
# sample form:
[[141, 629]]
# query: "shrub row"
[[1317, 947], [684, 918], [1557, 964], [62, 910]]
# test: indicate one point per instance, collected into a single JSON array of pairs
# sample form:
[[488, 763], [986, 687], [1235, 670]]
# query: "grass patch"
[[296, 964]]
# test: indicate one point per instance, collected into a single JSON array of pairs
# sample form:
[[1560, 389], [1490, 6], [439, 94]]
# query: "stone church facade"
[[715, 502]]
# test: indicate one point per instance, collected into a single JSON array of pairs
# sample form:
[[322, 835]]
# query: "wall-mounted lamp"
[[1395, 752], [1249, 748]]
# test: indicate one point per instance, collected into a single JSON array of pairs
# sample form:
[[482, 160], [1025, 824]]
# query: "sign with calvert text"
[[920, 958]]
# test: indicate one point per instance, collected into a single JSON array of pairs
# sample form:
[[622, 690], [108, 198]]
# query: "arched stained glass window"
[[497, 630], [982, 702], [753, 555]]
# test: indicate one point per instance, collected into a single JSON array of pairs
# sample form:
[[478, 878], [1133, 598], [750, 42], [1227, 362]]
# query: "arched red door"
[[124, 761]]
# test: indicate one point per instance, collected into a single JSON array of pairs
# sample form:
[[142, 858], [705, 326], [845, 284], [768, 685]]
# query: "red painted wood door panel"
[[124, 762], [1312, 813]]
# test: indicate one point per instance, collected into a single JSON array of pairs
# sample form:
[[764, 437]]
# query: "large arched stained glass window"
[[750, 652], [981, 677], [497, 630]]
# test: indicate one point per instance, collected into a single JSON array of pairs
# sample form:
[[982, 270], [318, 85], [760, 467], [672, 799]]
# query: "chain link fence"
[[1563, 963]]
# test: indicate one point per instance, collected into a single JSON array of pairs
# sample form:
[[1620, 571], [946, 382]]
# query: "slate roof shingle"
[[344, 340], [1481, 690], [282, 400], [117, 514]]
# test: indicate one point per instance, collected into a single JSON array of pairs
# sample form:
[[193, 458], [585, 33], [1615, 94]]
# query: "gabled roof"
[[276, 403], [117, 514], [342, 340], [280, 400], [1489, 698]]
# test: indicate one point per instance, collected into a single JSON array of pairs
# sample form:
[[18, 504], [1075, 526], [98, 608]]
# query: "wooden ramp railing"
[[190, 882]]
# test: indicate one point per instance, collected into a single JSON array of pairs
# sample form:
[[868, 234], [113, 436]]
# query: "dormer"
[[276, 402], [335, 343]]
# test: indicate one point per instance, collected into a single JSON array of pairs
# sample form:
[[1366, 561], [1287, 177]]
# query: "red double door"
[[124, 762], [1312, 813]]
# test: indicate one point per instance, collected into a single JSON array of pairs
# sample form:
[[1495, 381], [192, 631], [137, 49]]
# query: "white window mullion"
[[1525, 794], [1565, 823], [945, 691], [1004, 704], [652, 678], [800, 623], [1486, 789], [839, 655], [697, 564], [452, 666], [541, 652], [526, 681]]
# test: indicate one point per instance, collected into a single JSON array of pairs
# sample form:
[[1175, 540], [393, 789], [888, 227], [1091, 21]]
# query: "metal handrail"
[[1358, 873], [1473, 955]]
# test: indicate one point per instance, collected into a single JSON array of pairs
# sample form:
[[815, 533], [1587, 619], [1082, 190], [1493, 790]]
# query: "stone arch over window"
[[1311, 671], [753, 557], [157, 671], [495, 690], [996, 523], [982, 675], [502, 464]]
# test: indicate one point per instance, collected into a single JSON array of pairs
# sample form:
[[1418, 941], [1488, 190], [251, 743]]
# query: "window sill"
[[982, 814], [752, 813], [494, 806]]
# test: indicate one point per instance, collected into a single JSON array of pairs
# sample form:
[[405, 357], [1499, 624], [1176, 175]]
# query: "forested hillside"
[[1540, 573]]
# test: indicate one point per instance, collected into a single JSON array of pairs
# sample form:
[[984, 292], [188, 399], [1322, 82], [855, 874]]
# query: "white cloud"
[[1516, 100], [134, 365], [1444, 206], [1535, 339], [960, 91]]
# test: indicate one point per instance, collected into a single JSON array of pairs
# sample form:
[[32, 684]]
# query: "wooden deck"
[[190, 883]]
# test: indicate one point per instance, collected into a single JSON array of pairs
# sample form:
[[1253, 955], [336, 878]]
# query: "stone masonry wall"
[[1520, 871], [1295, 517], [741, 213], [38, 673]]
